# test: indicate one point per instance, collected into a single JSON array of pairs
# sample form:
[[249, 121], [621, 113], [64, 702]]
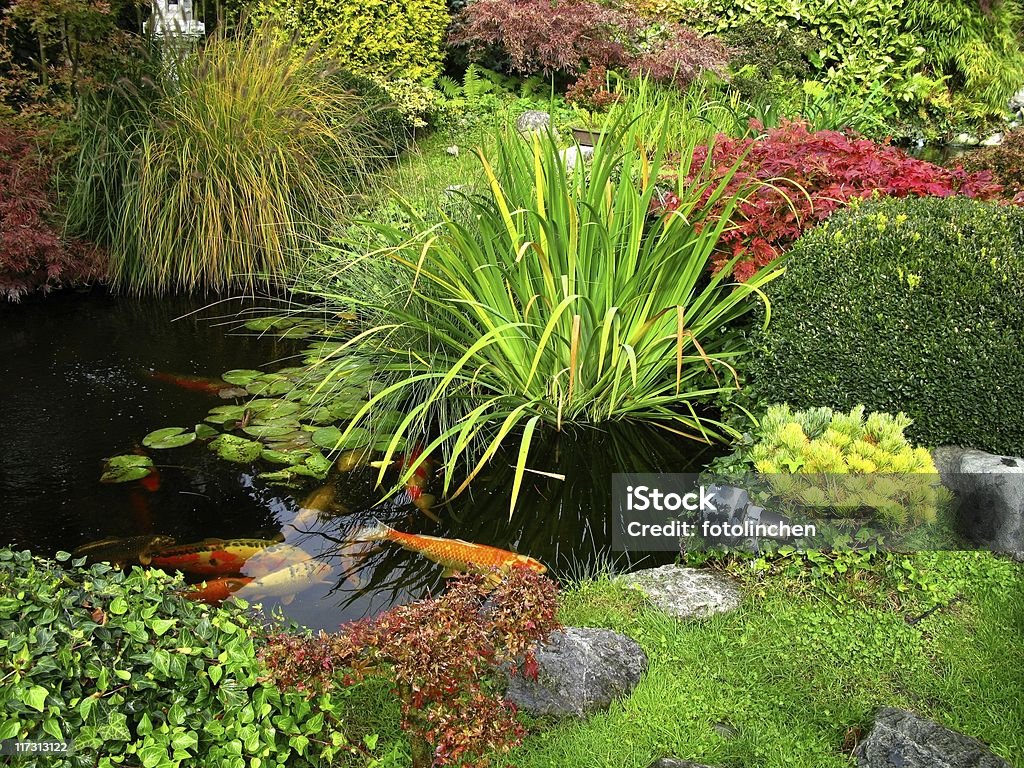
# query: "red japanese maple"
[[791, 178]]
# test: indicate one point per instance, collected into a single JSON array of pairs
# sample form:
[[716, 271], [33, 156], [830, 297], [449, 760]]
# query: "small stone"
[[993, 141], [533, 120], [674, 762], [573, 155], [581, 670], [453, 150], [685, 593], [964, 140], [901, 739]]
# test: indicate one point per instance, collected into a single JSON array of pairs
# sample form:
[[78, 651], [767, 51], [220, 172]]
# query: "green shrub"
[[912, 305], [909, 47], [796, 448], [226, 170], [373, 37], [136, 675]]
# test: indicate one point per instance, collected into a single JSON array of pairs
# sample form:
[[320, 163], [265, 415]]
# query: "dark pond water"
[[75, 387]]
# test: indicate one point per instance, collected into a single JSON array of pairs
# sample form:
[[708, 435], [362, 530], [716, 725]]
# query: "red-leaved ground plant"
[[570, 37], [792, 178], [33, 255], [442, 654]]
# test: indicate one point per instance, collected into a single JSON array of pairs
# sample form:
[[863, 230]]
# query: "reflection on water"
[[74, 389]]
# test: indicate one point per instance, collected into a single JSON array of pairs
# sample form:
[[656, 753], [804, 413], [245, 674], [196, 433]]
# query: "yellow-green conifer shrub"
[[848, 462], [378, 38]]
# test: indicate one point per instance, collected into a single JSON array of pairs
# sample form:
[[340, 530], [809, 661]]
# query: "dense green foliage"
[[557, 300], [224, 171], [51, 51], [373, 37], [925, 55], [135, 674], [905, 305]]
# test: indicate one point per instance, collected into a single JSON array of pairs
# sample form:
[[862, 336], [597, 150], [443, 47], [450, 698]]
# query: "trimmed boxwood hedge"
[[912, 305]]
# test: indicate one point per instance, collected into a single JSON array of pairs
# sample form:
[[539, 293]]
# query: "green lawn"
[[793, 668]]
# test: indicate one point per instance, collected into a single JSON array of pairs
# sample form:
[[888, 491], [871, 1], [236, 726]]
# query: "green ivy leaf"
[[35, 697]]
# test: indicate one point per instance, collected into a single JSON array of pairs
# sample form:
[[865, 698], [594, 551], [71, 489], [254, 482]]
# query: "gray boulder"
[[1016, 104], [581, 670], [901, 739], [573, 156], [685, 593], [990, 491], [533, 120]]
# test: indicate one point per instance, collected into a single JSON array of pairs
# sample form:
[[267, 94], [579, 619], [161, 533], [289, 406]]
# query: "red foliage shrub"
[[791, 178], [590, 91], [572, 36], [32, 253], [1005, 162], [442, 654]]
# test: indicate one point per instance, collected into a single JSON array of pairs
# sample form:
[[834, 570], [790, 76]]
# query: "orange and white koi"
[[453, 554], [216, 591], [210, 557], [417, 482]]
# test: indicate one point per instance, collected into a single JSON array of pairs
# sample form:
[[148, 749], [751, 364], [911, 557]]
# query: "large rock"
[[901, 739], [1016, 104], [533, 120], [576, 155], [990, 491], [581, 670], [685, 593]]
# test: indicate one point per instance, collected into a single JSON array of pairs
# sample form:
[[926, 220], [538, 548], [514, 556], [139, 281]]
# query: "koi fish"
[[216, 591], [353, 459], [124, 551], [453, 554], [319, 502], [417, 482], [198, 384], [150, 482], [210, 557], [287, 582]]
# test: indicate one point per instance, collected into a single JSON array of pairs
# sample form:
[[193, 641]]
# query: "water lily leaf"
[[282, 477], [205, 432], [169, 437], [346, 409], [318, 463], [125, 468], [231, 393], [381, 444], [386, 421], [236, 449], [241, 376], [260, 324], [269, 387], [318, 415], [282, 457], [330, 438], [272, 407], [290, 447], [225, 413], [267, 431]]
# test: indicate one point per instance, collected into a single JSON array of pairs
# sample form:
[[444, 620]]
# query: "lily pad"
[[125, 468], [205, 432], [260, 324], [382, 443], [319, 464], [282, 477], [282, 457], [267, 431], [330, 438], [241, 376], [269, 386], [169, 437], [225, 413], [237, 449]]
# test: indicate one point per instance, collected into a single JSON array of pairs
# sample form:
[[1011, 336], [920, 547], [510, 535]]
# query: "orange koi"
[[421, 475], [216, 591], [210, 557], [198, 384], [453, 554], [150, 482]]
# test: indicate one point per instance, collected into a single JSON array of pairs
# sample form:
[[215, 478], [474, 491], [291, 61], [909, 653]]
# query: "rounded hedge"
[[913, 305]]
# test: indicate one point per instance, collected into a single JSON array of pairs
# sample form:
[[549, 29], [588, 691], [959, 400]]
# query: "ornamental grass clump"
[[553, 299], [223, 171]]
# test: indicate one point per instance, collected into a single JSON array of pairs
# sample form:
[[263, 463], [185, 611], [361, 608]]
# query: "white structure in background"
[[172, 18]]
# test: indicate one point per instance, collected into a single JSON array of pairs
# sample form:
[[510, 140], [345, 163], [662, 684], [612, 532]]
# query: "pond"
[[85, 376]]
